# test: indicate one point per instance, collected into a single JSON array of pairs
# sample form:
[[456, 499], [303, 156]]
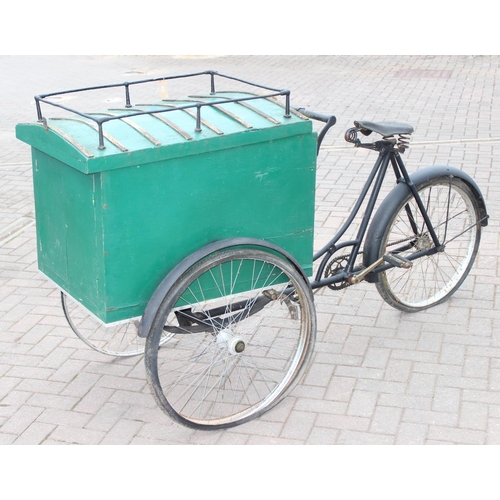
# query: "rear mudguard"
[[217, 246], [395, 198]]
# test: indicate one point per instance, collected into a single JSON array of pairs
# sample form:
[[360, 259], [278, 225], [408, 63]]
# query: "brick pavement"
[[378, 376]]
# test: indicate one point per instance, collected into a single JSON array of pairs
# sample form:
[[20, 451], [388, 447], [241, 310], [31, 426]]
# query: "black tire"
[[454, 213], [225, 368]]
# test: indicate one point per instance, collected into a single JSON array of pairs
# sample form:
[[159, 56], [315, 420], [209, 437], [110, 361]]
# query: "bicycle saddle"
[[385, 129]]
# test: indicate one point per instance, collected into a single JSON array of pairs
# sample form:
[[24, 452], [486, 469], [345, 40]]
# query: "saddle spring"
[[402, 142], [351, 135]]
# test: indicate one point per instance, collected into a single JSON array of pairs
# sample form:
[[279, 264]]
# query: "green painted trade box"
[[111, 223]]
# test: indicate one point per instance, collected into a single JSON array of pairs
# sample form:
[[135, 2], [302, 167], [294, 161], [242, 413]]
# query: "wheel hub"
[[233, 343], [424, 242]]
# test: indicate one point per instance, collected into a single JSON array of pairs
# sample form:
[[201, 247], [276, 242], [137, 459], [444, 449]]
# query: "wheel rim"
[[118, 339], [242, 362], [433, 278]]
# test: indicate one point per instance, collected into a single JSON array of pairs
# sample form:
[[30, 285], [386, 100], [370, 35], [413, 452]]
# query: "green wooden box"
[[111, 223]]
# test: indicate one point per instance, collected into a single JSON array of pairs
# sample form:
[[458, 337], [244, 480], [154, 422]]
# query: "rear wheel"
[[241, 327], [116, 339], [454, 213]]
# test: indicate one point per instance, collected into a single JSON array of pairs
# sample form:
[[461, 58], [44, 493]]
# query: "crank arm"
[[394, 260], [354, 279]]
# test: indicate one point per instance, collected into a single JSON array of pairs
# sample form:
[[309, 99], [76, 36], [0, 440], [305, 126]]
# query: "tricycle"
[[193, 243]]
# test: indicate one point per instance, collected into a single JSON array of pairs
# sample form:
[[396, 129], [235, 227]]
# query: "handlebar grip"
[[316, 116]]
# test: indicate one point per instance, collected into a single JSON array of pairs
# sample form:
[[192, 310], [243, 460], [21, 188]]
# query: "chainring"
[[333, 267]]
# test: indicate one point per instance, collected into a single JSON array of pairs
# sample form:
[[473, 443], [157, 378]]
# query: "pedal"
[[398, 261]]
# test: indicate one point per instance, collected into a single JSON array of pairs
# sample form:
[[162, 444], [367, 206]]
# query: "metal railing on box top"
[[100, 120]]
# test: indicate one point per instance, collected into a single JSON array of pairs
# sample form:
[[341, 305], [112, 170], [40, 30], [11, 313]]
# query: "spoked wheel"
[[119, 339], [454, 213], [241, 326]]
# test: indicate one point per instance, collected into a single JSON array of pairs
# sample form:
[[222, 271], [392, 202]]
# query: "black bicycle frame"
[[388, 154]]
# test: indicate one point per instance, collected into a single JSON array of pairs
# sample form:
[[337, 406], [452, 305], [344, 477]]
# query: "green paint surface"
[[110, 227]]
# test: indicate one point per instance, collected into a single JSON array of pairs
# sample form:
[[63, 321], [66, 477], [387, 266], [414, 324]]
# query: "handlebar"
[[329, 120], [316, 116]]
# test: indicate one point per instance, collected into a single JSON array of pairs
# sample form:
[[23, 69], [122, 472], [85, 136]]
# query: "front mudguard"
[[393, 200]]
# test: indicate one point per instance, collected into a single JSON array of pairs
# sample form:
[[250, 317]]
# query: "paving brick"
[[492, 397], [31, 372], [343, 422], [381, 386], [430, 417], [422, 384], [446, 399], [319, 374], [93, 400], [298, 425], [493, 433], [452, 354], [81, 384], [21, 420], [364, 438], [132, 398], [322, 436], [494, 379], [7, 438], [340, 388], [76, 435], [411, 355], [473, 416], [356, 345], [40, 386], [54, 401], [462, 382], [16, 398], [386, 420], [7, 384], [376, 357], [267, 441], [411, 434], [106, 418], [57, 358], [36, 433], [362, 403], [494, 411], [233, 438], [320, 406], [455, 435], [437, 368], [430, 341], [123, 383], [398, 370], [63, 417], [26, 323], [166, 432]]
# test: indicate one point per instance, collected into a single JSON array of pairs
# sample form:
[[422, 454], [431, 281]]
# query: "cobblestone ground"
[[378, 376]]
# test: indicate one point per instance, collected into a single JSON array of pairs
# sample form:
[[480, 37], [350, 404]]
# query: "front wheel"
[[454, 213], [241, 326]]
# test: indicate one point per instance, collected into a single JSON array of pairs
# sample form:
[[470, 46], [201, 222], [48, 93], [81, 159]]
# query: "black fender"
[[398, 194], [162, 289]]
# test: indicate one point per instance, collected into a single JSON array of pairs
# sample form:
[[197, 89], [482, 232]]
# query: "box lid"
[[145, 133]]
